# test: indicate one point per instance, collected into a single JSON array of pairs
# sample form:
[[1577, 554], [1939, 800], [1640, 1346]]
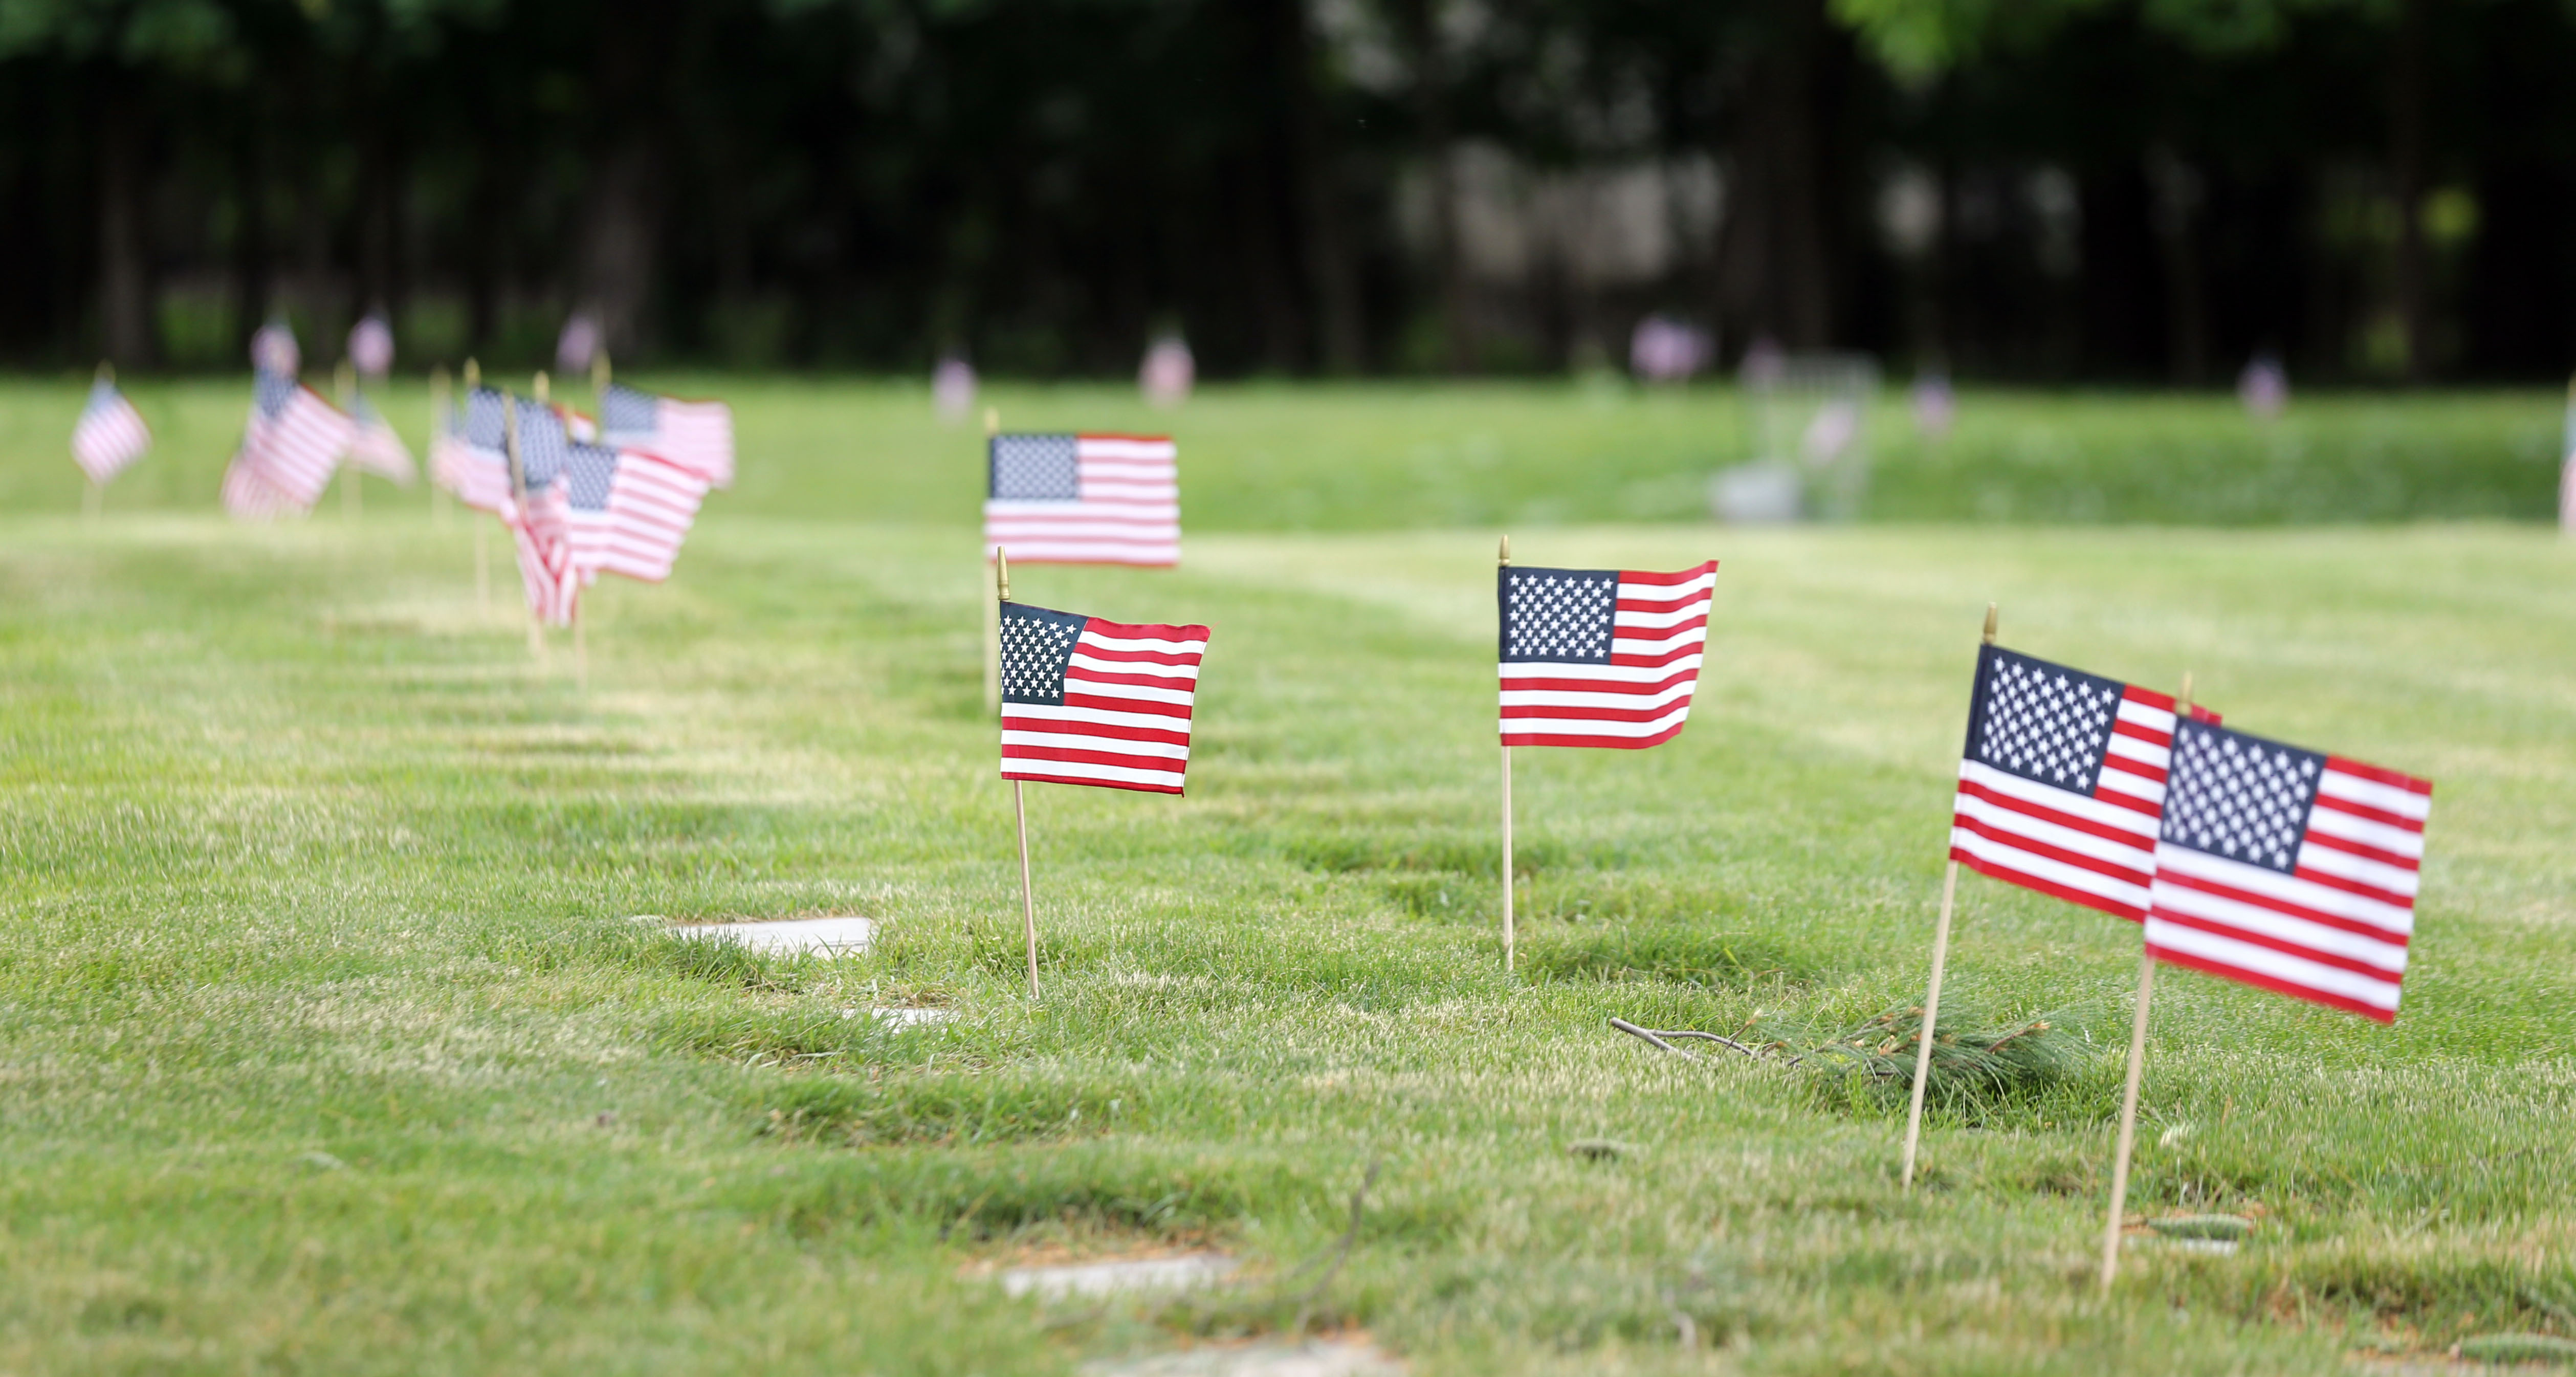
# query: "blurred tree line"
[[2035, 189]]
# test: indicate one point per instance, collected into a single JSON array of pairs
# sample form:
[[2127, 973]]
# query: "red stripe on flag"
[[1996, 871]]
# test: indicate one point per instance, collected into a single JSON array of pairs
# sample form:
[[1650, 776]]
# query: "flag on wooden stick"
[[2062, 781], [292, 442], [2288, 869], [695, 436], [471, 459], [1083, 499], [1087, 701], [1600, 657], [374, 447], [109, 435]]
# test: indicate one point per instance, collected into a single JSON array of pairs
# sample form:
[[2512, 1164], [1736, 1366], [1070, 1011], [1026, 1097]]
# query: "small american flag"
[[651, 505], [589, 474], [1083, 499], [247, 494], [1086, 701], [695, 436], [1600, 657], [2288, 869], [109, 435], [539, 515], [294, 439], [375, 448], [2061, 782], [468, 460]]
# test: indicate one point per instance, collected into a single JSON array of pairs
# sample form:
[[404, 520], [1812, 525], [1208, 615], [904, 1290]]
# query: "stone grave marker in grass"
[[838, 935]]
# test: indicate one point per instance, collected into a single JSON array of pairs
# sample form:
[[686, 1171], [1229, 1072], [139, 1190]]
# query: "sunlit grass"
[[327, 1041]]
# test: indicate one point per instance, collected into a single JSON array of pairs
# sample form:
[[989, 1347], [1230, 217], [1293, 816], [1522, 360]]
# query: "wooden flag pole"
[[1503, 560], [351, 503], [438, 398], [992, 608], [519, 497], [1932, 996], [1019, 788], [600, 376], [2137, 1073]]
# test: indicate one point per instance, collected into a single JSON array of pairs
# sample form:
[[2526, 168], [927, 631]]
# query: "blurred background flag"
[[538, 515], [373, 445], [2062, 781], [696, 436], [651, 506], [2288, 869], [469, 461], [293, 439], [109, 435], [589, 473], [1601, 657], [1083, 499], [1085, 701]]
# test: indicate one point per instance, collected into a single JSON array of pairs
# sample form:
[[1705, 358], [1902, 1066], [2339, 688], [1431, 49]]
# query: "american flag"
[[1600, 657], [294, 439], [110, 433], [375, 448], [651, 505], [2062, 780], [2288, 869], [1086, 701], [1083, 499], [539, 516], [695, 436], [590, 472], [468, 460], [247, 494]]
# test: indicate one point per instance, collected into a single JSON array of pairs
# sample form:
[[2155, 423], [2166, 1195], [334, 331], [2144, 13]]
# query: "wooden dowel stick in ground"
[[1932, 995], [519, 501], [1019, 796], [2129, 1092], [1503, 560]]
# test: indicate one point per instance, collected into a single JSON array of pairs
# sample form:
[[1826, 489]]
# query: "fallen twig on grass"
[[1657, 1036]]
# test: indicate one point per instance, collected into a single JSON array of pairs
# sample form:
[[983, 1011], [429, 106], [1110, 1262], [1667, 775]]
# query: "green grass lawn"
[[1396, 456], [328, 1042]]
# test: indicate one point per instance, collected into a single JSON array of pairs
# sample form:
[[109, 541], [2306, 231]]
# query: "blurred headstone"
[[1168, 372], [1762, 492], [1808, 415], [577, 345], [273, 350], [1664, 350], [371, 346], [1763, 361], [2263, 387], [1935, 406], [2567, 470], [952, 388]]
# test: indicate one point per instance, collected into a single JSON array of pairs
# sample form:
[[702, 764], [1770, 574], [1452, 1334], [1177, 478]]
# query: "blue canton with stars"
[[589, 472], [1033, 468], [2041, 721], [2240, 797], [1562, 615], [1037, 646]]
